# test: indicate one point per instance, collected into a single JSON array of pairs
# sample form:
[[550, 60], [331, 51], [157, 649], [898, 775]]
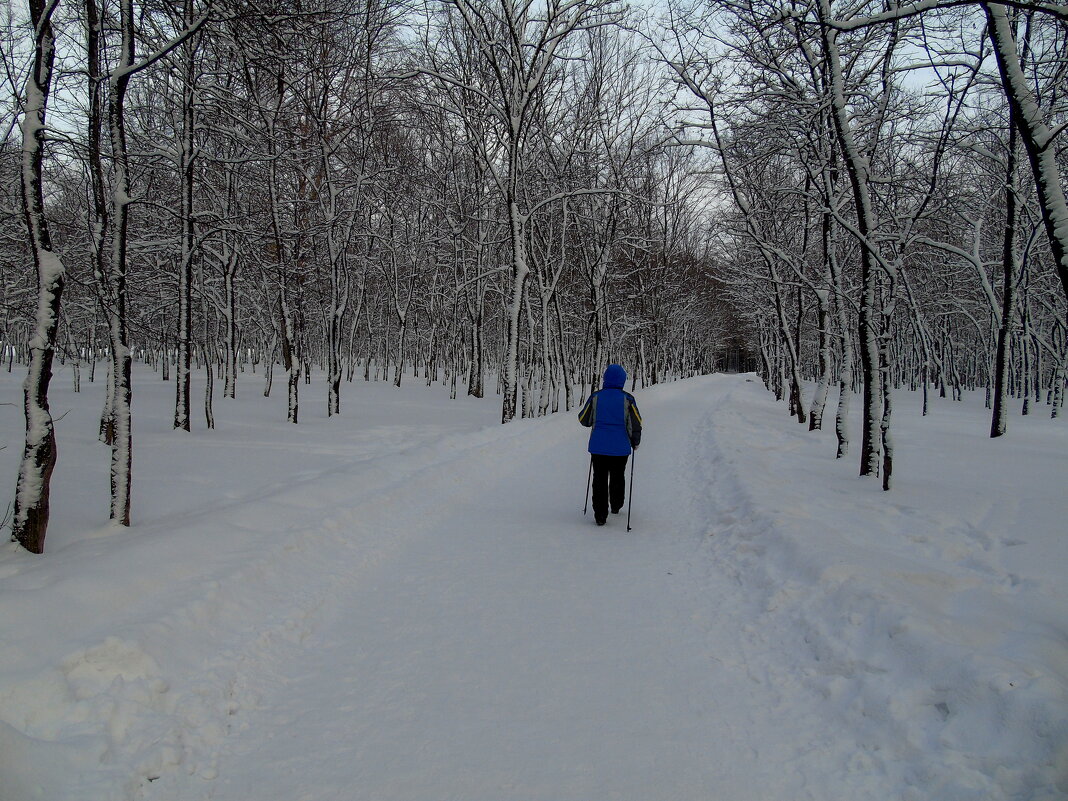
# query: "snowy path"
[[408, 605], [502, 646]]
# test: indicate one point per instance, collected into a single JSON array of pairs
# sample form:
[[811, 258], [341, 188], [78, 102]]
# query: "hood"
[[615, 377]]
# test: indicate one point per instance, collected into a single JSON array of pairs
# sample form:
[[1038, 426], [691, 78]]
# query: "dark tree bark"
[[999, 417], [30, 513]]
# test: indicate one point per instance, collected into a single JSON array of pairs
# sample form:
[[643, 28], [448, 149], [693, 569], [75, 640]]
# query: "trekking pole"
[[630, 503], [589, 478]]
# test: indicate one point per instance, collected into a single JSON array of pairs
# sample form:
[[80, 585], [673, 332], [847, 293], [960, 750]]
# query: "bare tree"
[[522, 43], [108, 86]]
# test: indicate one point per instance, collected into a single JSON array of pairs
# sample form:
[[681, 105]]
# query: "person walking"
[[617, 430]]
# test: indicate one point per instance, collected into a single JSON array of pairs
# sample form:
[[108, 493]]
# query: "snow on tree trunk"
[[857, 169], [887, 439], [520, 273], [186, 163], [548, 388], [290, 357], [797, 401], [30, 511], [122, 446], [565, 366], [402, 335], [819, 399], [1038, 140], [30, 514], [845, 375], [230, 322], [116, 269], [476, 384], [336, 313]]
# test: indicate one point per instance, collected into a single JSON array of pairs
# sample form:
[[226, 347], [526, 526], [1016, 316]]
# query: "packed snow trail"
[[408, 604], [503, 647]]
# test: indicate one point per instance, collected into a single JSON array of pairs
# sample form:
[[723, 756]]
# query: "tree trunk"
[[185, 268], [31, 506], [856, 167], [230, 321], [1038, 140], [110, 224], [520, 272], [999, 416], [819, 399]]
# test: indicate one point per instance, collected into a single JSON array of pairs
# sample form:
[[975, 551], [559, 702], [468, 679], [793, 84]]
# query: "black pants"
[[609, 483]]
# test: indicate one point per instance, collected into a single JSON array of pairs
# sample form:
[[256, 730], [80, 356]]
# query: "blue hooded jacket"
[[613, 415]]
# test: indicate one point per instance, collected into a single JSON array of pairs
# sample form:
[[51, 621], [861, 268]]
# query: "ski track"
[[837, 583]]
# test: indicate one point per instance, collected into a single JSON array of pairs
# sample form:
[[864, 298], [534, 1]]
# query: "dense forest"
[[506, 195]]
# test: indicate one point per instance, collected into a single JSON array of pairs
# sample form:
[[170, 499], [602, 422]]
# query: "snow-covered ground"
[[407, 603]]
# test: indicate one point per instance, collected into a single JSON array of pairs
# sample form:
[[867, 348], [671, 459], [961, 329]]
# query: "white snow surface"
[[406, 603]]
